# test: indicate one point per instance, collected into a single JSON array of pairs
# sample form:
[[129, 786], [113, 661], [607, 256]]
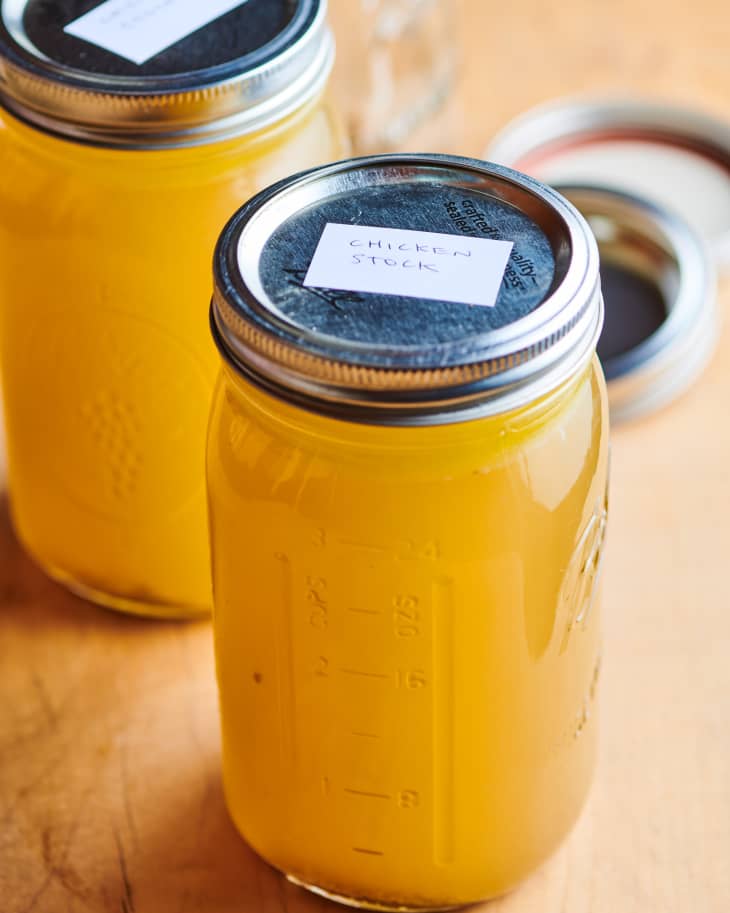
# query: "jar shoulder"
[[254, 439], [32, 158]]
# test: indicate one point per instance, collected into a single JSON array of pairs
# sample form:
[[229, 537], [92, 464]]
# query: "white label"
[[417, 264], [140, 29]]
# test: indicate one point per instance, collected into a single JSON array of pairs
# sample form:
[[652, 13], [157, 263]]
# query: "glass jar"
[[395, 69], [115, 180], [407, 499]]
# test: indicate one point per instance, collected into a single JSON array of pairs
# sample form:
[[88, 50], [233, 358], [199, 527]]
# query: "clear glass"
[[395, 67], [106, 357], [407, 639]]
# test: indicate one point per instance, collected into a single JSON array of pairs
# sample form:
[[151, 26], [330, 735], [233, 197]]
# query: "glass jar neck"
[[297, 423]]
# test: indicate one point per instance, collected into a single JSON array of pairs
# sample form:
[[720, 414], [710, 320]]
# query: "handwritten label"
[[416, 264], [139, 29]]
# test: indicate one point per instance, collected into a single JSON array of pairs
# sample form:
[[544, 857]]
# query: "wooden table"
[[110, 796]]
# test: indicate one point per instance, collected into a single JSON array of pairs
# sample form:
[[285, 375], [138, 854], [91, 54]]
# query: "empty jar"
[[396, 67]]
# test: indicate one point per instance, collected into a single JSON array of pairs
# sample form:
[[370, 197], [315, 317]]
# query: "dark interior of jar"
[[236, 34], [639, 282], [639, 277], [635, 308]]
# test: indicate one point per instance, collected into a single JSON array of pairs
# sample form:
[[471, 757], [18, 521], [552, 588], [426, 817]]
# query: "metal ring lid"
[[174, 74], [654, 182], [675, 157], [659, 289], [396, 353]]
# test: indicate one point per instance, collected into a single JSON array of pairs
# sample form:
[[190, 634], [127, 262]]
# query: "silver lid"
[[404, 358], [240, 72], [677, 158], [659, 288], [654, 182]]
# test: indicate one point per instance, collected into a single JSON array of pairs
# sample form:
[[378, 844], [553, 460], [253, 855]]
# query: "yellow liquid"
[[407, 639], [107, 363]]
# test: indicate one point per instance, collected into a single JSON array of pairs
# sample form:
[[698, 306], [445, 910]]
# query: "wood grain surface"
[[110, 795]]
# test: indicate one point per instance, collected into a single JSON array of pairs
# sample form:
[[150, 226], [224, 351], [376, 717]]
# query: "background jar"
[[407, 509], [116, 176], [395, 71]]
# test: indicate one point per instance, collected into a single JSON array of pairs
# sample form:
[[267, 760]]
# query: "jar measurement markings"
[[363, 546], [285, 673], [363, 673], [443, 721], [367, 795], [401, 616], [405, 799], [406, 616], [318, 602]]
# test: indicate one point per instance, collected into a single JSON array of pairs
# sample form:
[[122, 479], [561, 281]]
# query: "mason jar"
[[407, 475], [396, 69], [128, 134]]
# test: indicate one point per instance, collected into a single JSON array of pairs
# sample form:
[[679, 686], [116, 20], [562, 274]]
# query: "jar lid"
[[654, 182], [659, 290], [407, 289], [139, 75], [677, 158]]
